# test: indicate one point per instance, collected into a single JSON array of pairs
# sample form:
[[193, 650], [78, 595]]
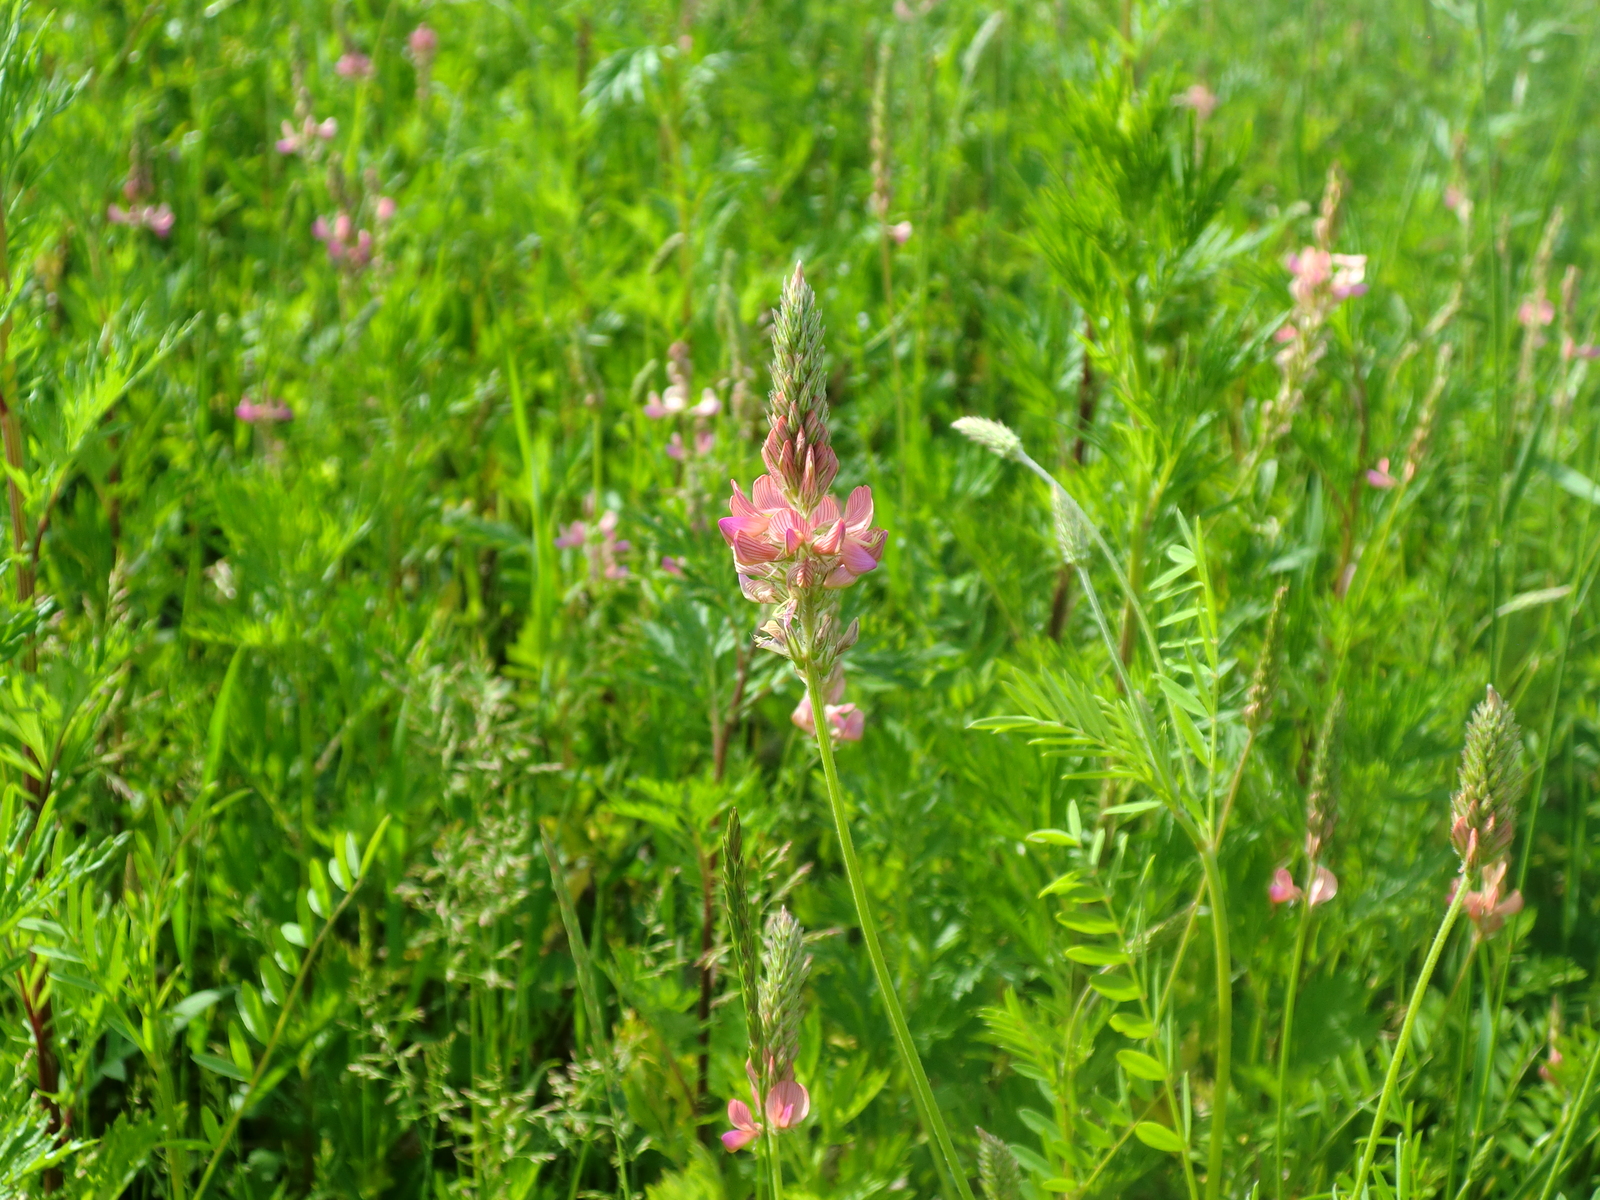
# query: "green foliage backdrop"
[[377, 688]]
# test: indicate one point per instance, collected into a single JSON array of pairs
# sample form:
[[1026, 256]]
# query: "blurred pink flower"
[[1324, 887], [158, 219], [1200, 98], [1282, 889], [787, 1104], [744, 1131], [1349, 276], [602, 550], [1533, 312], [846, 722], [1311, 269], [901, 232], [267, 412], [346, 245], [1379, 476], [574, 536], [1546, 1068], [1457, 202], [311, 131], [353, 65], [385, 208], [709, 405], [424, 44], [1571, 350], [671, 566]]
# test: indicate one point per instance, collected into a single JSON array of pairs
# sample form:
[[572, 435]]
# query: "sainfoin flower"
[[1200, 98], [603, 550], [1535, 311], [1283, 890], [1379, 476], [306, 137], [353, 65], [263, 412], [158, 219], [845, 721], [788, 1104]]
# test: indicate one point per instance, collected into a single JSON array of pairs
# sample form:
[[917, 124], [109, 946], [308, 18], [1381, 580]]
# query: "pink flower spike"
[[118, 215], [267, 412], [385, 208], [352, 65], [653, 408], [744, 1129], [671, 566], [901, 232], [787, 1104], [159, 221], [1282, 890], [574, 536], [1324, 887], [1379, 477]]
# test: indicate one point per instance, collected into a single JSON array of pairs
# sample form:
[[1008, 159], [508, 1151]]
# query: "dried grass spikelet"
[[998, 1172], [1483, 810]]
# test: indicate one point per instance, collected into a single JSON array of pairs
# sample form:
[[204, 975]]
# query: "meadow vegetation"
[[1131, 732]]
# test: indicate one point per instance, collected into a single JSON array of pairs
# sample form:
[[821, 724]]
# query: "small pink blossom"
[[310, 132], [1571, 350], [901, 232], [353, 65], [1535, 312], [1457, 202], [845, 721], [266, 412], [1282, 889], [672, 566], [709, 405], [1200, 98], [604, 548], [347, 245], [1379, 476], [744, 1131], [385, 209], [1349, 276], [572, 537], [1485, 908]]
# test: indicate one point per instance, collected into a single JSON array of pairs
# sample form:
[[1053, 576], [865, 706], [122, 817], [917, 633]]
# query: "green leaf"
[[1132, 808], [1132, 1026], [1052, 837], [1085, 923], [1096, 956], [239, 1049], [1062, 883], [1158, 1137], [192, 1006], [1120, 988], [1140, 1065], [220, 1066]]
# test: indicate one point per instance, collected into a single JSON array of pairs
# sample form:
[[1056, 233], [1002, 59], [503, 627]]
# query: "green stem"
[[922, 1093], [1219, 1099], [1288, 1025], [1392, 1078], [776, 1162]]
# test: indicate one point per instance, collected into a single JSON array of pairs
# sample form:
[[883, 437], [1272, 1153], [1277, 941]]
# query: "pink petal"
[[787, 1104], [857, 558], [858, 508], [803, 717], [737, 1139], [766, 494], [1282, 889], [848, 722], [829, 541], [740, 1117], [825, 513], [740, 506], [1324, 887], [751, 551], [671, 565]]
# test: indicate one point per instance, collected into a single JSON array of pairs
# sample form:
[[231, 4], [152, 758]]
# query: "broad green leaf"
[[1158, 1137], [1132, 1026], [1096, 956], [1141, 1065], [1115, 987]]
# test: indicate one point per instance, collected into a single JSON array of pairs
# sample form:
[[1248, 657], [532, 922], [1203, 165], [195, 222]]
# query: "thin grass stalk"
[[1392, 1077], [1571, 1122], [599, 1044], [1224, 963], [922, 1092]]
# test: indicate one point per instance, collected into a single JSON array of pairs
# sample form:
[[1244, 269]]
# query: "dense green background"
[[249, 644]]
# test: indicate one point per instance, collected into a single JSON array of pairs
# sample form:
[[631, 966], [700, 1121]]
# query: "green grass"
[[362, 828]]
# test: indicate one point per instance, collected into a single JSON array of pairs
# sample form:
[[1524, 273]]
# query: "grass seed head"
[[998, 1172], [1483, 810]]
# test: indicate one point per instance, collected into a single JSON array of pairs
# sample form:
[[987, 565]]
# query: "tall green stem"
[[1288, 1024], [1392, 1078], [922, 1093], [1219, 1099]]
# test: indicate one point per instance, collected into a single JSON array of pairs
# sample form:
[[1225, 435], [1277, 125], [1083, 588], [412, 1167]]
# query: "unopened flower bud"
[[784, 966], [1483, 810], [741, 925], [998, 1171], [1265, 680]]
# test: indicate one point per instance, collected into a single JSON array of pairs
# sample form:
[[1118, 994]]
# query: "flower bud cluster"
[[1483, 810], [999, 1173]]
